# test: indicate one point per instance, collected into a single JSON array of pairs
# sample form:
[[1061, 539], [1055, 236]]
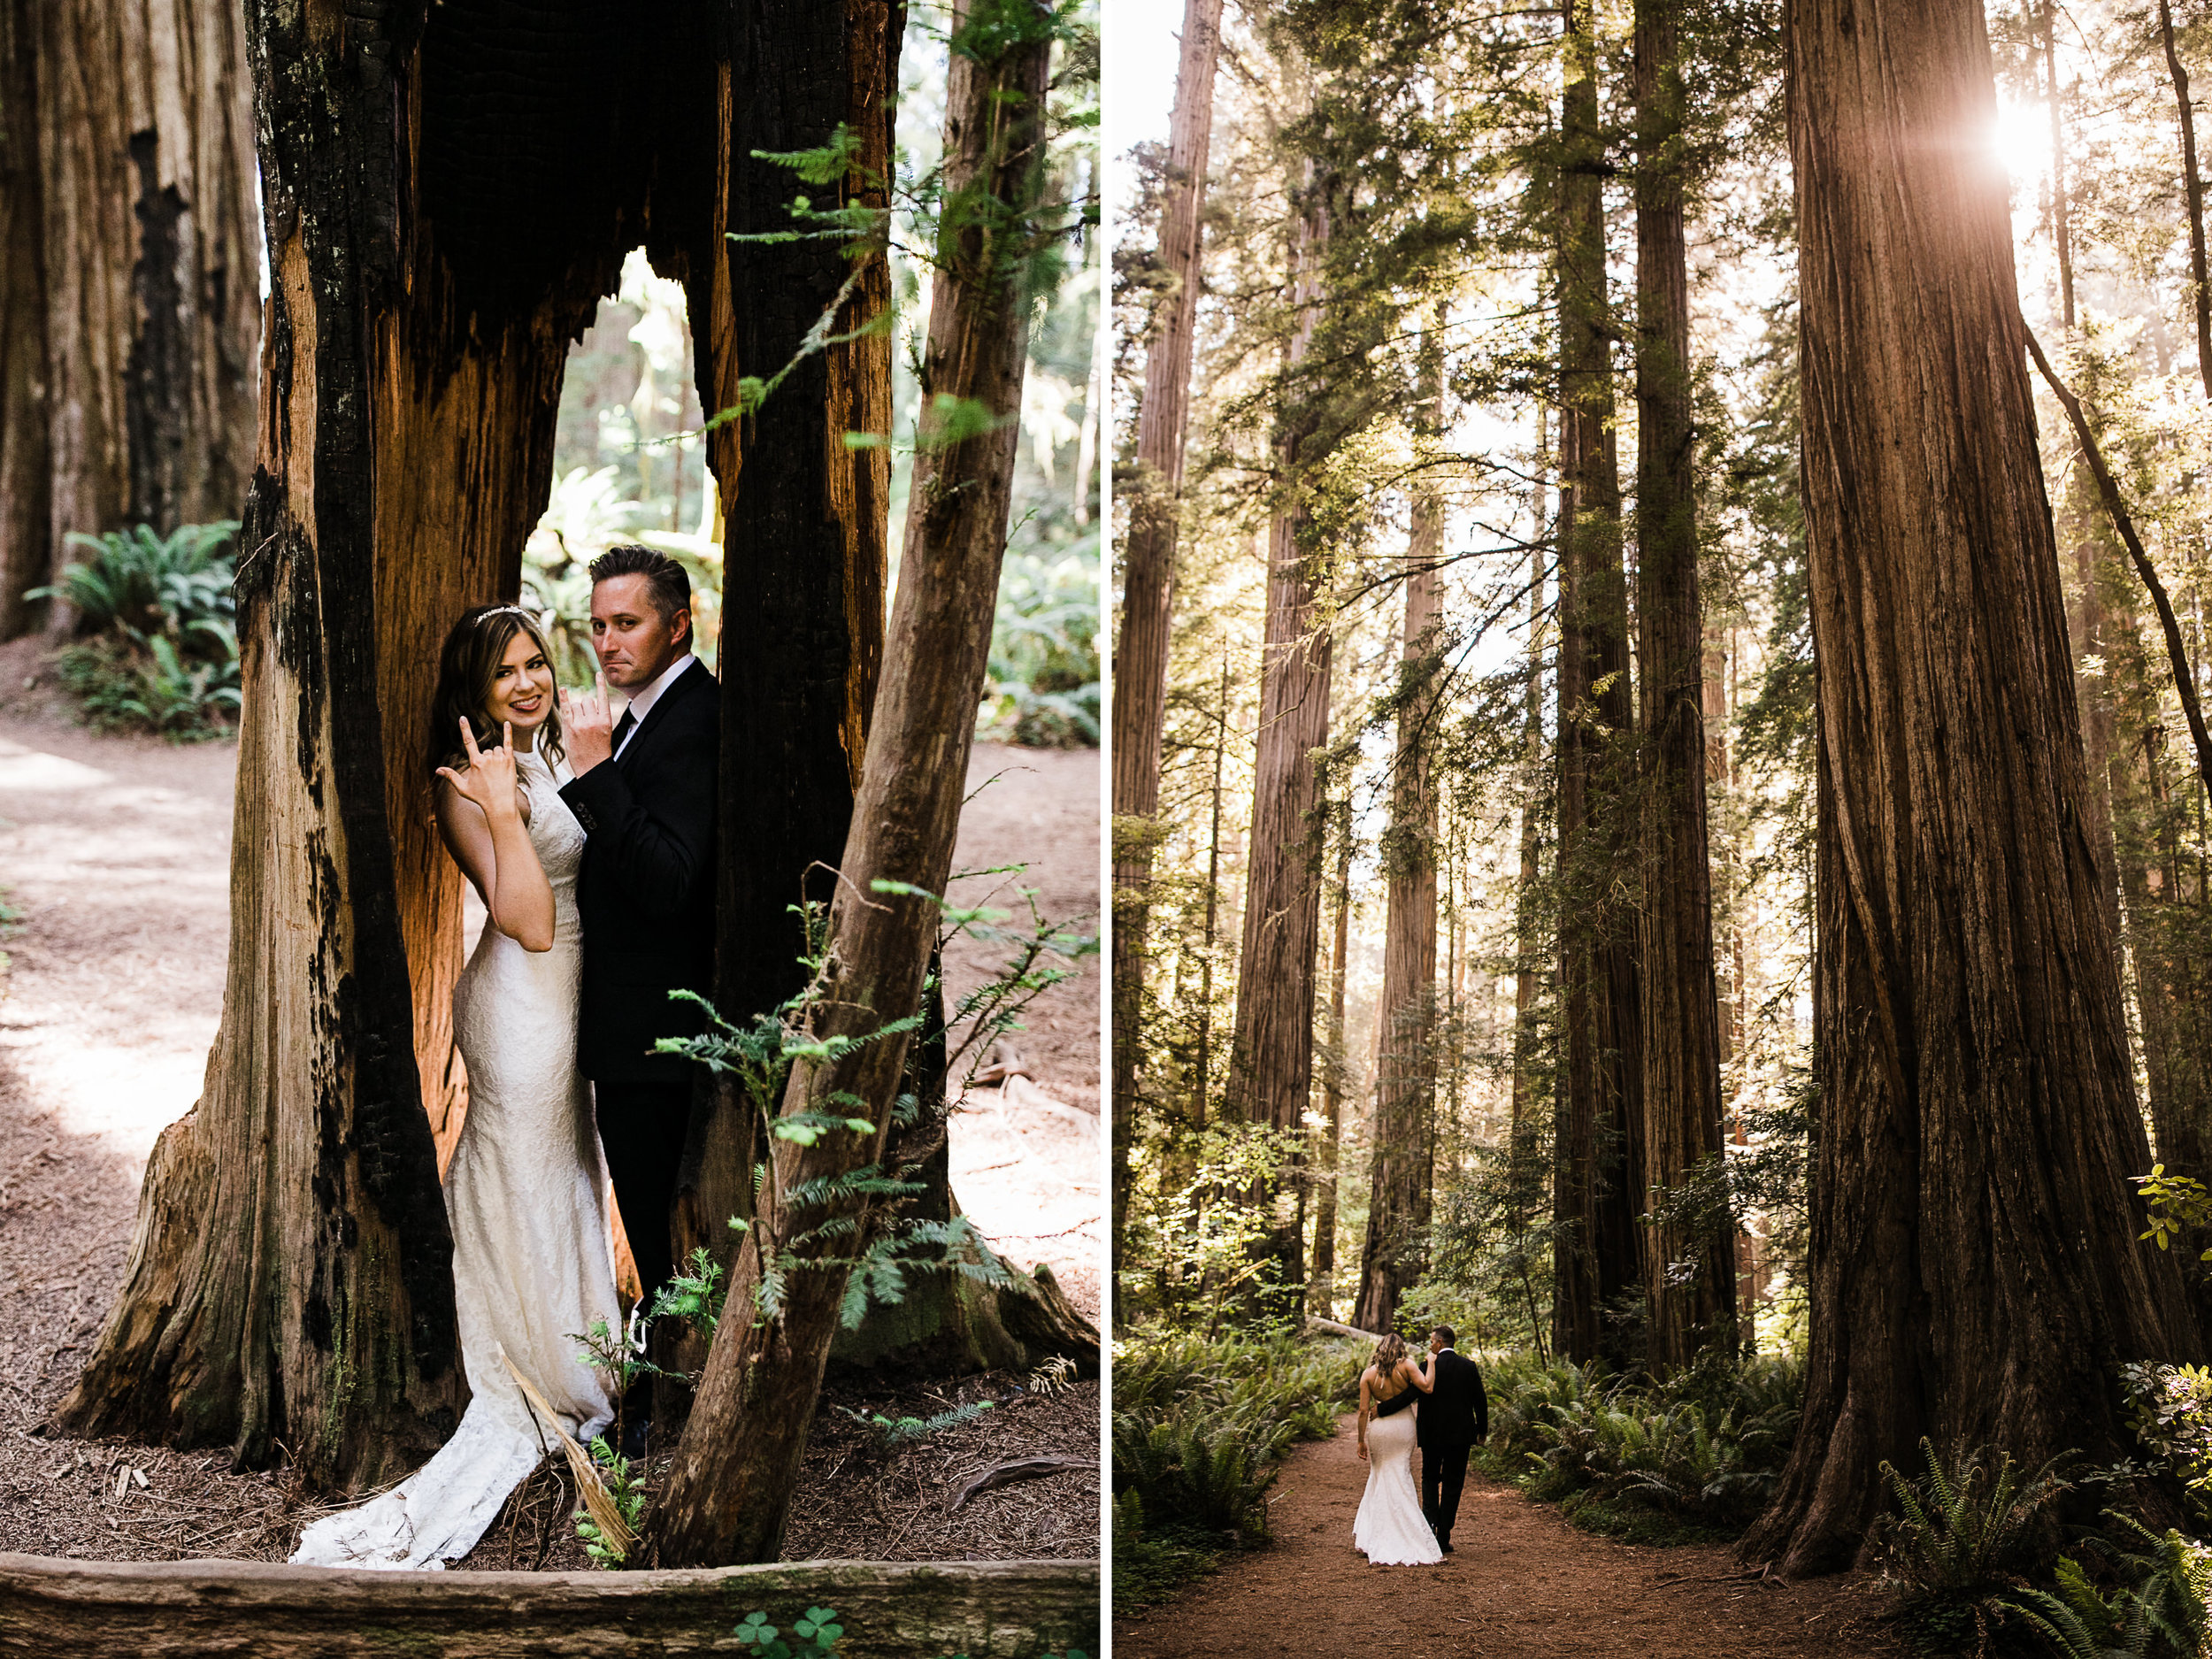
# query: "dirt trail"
[[1521, 1584], [116, 853]]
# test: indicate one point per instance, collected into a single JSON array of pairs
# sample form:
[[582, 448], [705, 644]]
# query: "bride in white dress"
[[526, 1193], [1390, 1527]]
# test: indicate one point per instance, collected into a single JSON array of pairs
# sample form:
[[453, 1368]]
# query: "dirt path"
[[1521, 1584], [116, 853]]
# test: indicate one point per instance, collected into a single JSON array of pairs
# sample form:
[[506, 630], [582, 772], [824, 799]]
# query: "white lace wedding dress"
[[533, 1262], [1390, 1527]]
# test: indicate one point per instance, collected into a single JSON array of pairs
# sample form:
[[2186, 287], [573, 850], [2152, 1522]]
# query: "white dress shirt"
[[641, 703]]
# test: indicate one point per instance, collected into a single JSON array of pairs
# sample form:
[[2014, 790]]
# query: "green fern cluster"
[[1705, 1450], [2156, 1611], [162, 655], [1213, 1482], [1961, 1541], [1199, 1428], [850, 1222]]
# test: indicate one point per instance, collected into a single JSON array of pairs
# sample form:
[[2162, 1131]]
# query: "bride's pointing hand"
[[489, 780]]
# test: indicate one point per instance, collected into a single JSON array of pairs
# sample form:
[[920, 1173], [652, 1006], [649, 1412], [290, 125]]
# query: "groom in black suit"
[[644, 792], [1452, 1422]]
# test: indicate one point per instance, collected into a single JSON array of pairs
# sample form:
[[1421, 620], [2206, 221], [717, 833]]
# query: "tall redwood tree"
[[1148, 553], [1599, 1186], [1975, 1272], [1401, 1171], [1271, 1057], [1689, 1252]]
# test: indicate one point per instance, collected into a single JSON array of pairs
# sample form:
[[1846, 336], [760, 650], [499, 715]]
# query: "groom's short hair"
[[1446, 1333], [666, 580]]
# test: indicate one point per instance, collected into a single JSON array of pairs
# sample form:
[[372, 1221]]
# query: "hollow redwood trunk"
[[730, 1490], [444, 210], [128, 320], [1975, 1274], [1599, 1187], [1141, 648], [1689, 1257]]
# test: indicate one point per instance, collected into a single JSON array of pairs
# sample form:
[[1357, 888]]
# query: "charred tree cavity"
[[449, 191]]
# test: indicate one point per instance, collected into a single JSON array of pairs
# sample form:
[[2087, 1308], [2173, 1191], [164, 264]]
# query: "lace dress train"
[[533, 1264], [1390, 1528]]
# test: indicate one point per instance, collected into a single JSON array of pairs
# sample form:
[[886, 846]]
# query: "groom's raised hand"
[[586, 727]]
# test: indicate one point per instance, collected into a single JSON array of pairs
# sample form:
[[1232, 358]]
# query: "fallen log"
[[1008, 1610], [1314, 1322]]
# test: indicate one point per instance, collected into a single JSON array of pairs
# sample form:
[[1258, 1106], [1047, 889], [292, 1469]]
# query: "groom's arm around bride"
[[644, 791]]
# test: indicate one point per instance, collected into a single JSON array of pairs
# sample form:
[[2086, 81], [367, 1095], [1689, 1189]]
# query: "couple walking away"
[[592, 846], [1439, 1407]]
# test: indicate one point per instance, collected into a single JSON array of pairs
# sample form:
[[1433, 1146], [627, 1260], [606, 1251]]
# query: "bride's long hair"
[[465, 669], [1388, 1352]]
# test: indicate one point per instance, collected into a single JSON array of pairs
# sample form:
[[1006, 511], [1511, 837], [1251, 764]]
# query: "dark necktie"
[[622, 729]]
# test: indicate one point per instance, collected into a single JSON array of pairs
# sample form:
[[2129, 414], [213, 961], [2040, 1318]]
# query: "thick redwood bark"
[[1598, 1191], [1975, 1272], [129, 327], [736, 1469], [1270, 1056], [1689, 1259], [1141, 648], [1402, 1169]]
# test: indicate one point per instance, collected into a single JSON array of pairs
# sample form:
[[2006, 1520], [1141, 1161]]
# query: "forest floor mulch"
[[1521, 1584], [115, 851]]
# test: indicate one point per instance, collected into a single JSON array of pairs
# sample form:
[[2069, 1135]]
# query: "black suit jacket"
[[1457, 1411], [645, 893]]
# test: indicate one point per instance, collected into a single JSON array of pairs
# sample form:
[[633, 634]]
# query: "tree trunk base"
[[158, 1609]]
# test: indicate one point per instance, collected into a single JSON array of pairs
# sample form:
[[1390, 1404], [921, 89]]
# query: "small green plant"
[[890, 1434], [694, 1294], [625, 1484], [817, 1630], [851, 1221], [141, 583]]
